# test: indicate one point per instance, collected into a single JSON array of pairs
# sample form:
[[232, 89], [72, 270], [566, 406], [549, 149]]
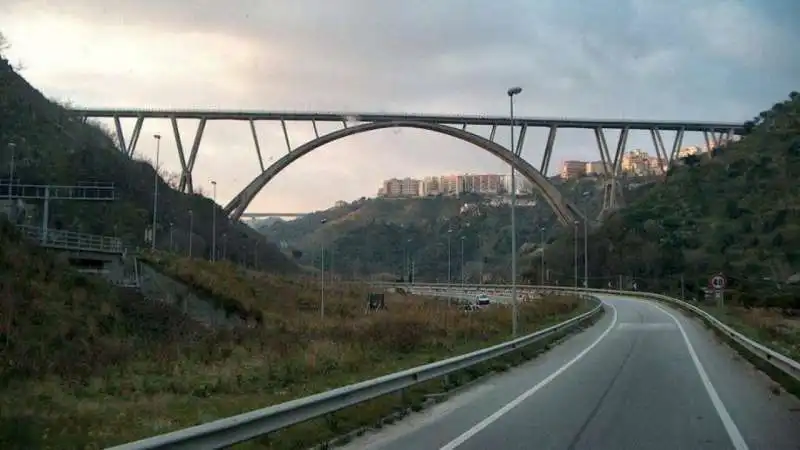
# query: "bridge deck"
[[450, 119]]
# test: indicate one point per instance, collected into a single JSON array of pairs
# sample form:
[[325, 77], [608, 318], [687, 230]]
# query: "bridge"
[[456, 126], [270, 214]]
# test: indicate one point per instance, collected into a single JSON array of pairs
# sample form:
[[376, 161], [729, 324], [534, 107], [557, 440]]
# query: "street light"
[[575, 251], [214, 223], [322, 278], [585, 254], [191, 231], [542, 255], [11, 146], [155, 189], [511, 93], [462, 260], [449, 232]]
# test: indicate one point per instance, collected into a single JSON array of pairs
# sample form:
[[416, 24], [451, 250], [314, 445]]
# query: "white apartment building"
[[395, 187], [594, 168]]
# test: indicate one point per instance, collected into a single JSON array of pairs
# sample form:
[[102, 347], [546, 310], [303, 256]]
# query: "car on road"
[[482, 300]]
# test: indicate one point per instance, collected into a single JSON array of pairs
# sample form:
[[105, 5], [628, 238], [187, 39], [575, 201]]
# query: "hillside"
[[736, 212], [50, 147], [371, 236]]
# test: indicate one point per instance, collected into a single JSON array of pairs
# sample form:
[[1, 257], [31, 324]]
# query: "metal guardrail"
[[778, 360], [80, 191], [232, 430], [70, 240]]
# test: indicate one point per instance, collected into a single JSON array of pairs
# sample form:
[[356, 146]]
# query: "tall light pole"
[[214, 222], [191, 231], [322, 277], [12, 147], [462, 260], [449, 232], [585, 254], [514, 312], [155, 189], [542, 271], [575, 250]]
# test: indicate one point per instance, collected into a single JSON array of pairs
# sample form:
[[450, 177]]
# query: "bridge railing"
[[70, 240], [226, 432]]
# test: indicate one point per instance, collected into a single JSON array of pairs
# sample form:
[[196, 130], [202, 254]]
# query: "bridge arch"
[[565, 211]]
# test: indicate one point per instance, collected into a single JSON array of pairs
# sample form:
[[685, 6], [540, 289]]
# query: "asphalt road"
[[644, 377]]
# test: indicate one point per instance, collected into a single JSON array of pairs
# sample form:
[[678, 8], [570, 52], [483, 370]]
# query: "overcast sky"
[[657, 59]]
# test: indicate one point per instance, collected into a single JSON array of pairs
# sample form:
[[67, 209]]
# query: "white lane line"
[[514, 403], [733, 432]]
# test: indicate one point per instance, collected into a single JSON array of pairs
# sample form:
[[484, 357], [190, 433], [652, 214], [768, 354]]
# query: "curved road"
[[645, 376]]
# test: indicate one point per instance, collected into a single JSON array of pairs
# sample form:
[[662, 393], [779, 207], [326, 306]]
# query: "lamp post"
[[155, 189], [12, 147], [322, 276], [463, 238], [191, 231], [575, 251], [449, 232], [214, 222], [585, 254], [511, 93], [542, 255]]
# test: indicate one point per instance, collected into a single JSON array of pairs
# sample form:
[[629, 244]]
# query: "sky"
[[715, 60]]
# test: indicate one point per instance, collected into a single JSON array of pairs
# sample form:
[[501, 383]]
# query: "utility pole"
[[214, 223], [514, 312], [155, 190]]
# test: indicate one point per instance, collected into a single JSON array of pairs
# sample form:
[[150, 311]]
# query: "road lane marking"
[[733, 431], [514, 403]]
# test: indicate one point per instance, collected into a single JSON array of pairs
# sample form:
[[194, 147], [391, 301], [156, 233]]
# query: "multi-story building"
[[573, 169], [430, 186], [594, 168], [484, 183], [395, 187], [690, 150], [636, 162]]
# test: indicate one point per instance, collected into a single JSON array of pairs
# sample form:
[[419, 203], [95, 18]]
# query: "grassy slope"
[[368, 236], [736, 213], [93, 366], [52, 147]]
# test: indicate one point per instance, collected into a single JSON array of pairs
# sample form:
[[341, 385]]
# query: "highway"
[[645, 376]]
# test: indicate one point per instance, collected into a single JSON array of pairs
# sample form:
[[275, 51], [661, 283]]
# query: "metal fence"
[[80, 191], [70, 240]]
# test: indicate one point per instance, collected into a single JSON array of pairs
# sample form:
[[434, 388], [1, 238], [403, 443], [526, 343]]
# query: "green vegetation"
[[372, 236], [52, 147], [736, 211], [94, 366]]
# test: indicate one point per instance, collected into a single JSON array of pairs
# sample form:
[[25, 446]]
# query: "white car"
[[482, 300]]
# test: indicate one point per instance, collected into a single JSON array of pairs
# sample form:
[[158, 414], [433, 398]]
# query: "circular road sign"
[[718, 282]]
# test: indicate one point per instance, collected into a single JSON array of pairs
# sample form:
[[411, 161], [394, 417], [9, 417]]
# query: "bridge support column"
[[187, 165], [130, 148], [548, 150], [612, 195]]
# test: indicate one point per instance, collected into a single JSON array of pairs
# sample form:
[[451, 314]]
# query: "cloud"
[[715, 60]]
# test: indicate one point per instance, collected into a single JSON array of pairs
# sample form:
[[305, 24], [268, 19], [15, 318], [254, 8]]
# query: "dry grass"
[[87, 368], [770, 326]]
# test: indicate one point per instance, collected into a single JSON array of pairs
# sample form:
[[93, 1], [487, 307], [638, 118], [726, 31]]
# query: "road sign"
[[718, 282]]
